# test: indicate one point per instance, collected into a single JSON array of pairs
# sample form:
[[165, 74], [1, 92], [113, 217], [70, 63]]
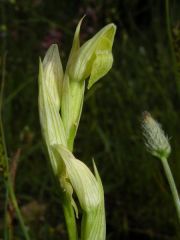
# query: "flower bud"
[[156, 141]]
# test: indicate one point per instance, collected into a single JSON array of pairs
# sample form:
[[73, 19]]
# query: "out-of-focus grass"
[[138, 202]]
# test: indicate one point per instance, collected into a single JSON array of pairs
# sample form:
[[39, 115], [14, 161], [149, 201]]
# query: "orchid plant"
[[61, 95]]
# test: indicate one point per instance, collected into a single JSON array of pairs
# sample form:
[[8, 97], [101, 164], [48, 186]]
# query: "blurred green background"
[[145, 76]]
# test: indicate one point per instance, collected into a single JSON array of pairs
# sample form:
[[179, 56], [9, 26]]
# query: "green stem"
[[168, 24], [172, 185], [9, 185], [170, 38], [16, 207], [70, 218], [7, 227]]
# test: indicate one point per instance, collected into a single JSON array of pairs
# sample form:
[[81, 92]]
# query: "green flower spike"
[[50, 91], [61, 98]]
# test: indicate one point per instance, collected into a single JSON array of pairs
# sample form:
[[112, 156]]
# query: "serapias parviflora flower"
[[60, 104], [91, 60], [60, 98], [156, 141]]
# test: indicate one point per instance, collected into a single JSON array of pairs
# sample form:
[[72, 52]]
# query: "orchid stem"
[[69, 218]]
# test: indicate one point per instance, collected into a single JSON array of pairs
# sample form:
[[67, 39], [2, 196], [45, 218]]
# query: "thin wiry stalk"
[[172, 185], [10, 195], [170, 39]]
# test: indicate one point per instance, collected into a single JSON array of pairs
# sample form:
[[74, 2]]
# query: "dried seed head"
[[156, 141]]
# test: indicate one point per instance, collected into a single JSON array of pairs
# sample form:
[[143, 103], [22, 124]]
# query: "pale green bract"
[[50, 80], [60, 104], [94, 223], [90, 194], [83, 181]]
